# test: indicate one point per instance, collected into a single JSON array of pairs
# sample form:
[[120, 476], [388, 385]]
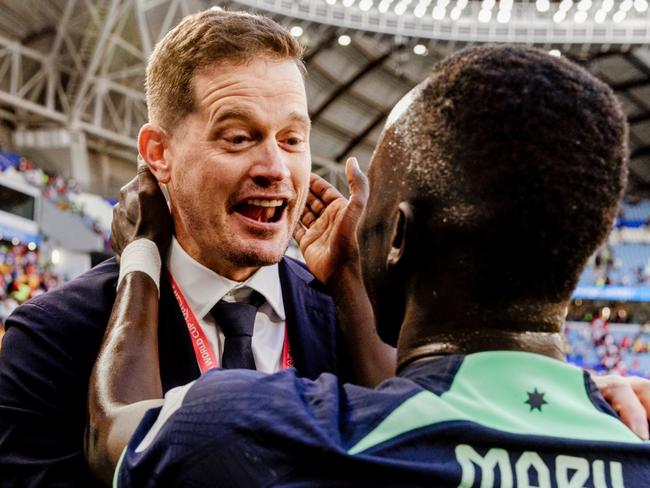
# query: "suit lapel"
[[310, 321], [177, 360]]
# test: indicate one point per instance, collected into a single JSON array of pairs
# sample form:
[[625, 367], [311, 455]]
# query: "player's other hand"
[[630, 399], [141, 213], [327, 231]]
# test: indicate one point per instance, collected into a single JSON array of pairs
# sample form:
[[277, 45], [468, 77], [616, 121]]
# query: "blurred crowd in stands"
[[624, 260], [611, 266], [55, 188], [23, 275], [609, 339]]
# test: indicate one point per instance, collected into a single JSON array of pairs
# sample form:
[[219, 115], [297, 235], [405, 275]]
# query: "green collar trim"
[[514, 392]]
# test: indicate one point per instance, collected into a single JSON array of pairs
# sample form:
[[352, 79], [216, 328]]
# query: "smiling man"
[[237, 168], [228, 136]]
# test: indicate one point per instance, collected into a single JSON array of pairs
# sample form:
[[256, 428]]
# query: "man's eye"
[[239, 139], [294, 140]]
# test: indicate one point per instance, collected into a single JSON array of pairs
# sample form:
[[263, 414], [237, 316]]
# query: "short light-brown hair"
[[204, 39]]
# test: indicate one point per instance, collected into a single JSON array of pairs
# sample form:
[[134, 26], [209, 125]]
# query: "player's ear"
[[401, 236], [153, 146]]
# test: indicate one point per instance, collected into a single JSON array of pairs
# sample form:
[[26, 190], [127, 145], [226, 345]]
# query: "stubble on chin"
[[243, 254], [251, 260]]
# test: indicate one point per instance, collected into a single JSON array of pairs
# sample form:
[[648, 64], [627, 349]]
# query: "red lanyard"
[[205, 356]]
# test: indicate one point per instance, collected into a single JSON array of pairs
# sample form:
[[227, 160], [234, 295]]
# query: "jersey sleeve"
[[141, 453], [228, 428]]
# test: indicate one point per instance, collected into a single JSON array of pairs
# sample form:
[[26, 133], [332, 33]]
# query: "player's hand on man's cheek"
[[630, 399], [327, 230]]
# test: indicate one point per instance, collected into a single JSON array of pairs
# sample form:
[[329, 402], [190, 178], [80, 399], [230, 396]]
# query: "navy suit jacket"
[[51, 344]]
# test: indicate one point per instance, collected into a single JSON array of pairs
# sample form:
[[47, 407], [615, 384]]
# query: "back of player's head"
[[515, 162]]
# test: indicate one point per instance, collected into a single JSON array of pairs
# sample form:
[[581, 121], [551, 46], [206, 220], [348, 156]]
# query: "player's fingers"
[[620, 395], [641, 387], [141, 164], [324, 190], [307, 219], [129, 187], [311, 197], [130, 208], [307, 211], [357, 182], [315, 204], [121, 216], [149, 192], [129, 200], [146, 179], [299, 232]]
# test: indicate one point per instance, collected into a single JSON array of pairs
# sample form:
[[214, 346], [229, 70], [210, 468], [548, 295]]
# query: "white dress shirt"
[[203, 288]]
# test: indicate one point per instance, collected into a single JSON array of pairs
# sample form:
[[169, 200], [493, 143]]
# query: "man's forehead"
[[248, 88], [267, 77], [229, 70]]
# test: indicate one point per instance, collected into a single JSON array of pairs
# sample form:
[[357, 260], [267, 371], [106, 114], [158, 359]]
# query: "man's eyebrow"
[[300, 118], [243, 114], [237, 113]]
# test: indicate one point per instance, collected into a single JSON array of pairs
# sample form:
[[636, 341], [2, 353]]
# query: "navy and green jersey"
[[502, 419]]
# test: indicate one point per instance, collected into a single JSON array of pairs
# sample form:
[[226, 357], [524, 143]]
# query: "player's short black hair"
[[524, 155]]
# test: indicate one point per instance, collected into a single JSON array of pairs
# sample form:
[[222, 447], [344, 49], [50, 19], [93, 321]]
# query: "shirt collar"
[[203, 288]]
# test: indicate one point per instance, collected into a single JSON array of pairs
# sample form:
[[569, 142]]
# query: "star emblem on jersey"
[[535, 400]]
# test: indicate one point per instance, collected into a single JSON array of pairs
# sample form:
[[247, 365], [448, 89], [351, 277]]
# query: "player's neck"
[[532, 328]]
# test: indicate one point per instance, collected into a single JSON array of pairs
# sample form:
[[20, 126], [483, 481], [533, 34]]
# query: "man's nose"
[[270, 165]]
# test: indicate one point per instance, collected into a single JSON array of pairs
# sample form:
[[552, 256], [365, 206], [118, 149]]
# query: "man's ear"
[[153, 147], [401, 236]]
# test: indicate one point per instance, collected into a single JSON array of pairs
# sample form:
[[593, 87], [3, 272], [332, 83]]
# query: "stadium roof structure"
[[72, 71]]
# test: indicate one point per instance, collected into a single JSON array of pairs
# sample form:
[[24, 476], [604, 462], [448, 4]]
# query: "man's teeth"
[[265, 203]]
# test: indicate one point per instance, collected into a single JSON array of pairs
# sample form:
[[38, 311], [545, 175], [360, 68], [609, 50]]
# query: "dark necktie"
[[236, 320]]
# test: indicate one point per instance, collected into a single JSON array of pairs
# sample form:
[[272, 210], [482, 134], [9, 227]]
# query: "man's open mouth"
[[266, 211]]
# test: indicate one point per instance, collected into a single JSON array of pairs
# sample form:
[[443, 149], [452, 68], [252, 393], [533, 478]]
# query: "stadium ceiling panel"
[[79, 64], [539, 22]]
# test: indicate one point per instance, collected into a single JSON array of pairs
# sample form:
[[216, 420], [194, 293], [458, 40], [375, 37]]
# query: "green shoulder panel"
[[514, 392]]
